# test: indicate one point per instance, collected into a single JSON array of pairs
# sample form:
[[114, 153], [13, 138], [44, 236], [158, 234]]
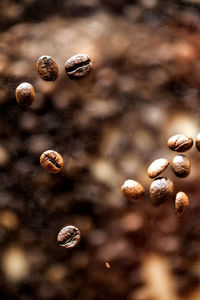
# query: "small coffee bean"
[[25, 94], [132, 190], [198, 142], [157, 167], [51, 161], [181, 166], [47, 68], [69, 237], [161, 190], [78, 66], [180, 143], [181, 202]]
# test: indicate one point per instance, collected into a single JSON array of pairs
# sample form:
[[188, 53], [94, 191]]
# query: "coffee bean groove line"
[[79, 65], [52, 161]]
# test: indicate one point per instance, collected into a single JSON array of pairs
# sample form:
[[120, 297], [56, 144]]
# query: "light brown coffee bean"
[[25, 94], [181, 202], [198, 142], [181, 166], [161, 190], [51, 161], [47, 68], [78, 66], [157, 167], [69, 237], [180, 143], [133, 190]]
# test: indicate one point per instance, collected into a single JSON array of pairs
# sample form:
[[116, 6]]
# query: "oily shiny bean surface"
[[69, 237], [180, 143], [181, 202], [181, 166], [51, 161], [161, 190], [157, 167], [78, 66], [47, 68], [132, 190], [25, 94]]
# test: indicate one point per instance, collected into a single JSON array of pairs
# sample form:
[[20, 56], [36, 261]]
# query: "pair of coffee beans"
[[76, 67]]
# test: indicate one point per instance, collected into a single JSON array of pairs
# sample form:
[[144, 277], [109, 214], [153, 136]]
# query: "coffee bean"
[[181, 202], [181, 166], [25, 94], [69, 237], [47, 68], [198, 142], [157, 167], [180, 143], [161, 190], [132, 190], [51, 161], [78, 66]]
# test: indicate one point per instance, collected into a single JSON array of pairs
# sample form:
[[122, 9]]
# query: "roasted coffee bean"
[[181, 202], [198, 142], [51, 161], [180, 143], [47, 68], [25, 94], [181, 166], [132, 190], [161, 190], [157, 167], [69, 237], [78, 66]]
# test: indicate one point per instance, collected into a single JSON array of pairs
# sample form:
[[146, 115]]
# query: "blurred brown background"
[[109, 126]]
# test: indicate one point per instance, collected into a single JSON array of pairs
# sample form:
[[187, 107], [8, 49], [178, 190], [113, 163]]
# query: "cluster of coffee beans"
[[76, 67], [162, 188]]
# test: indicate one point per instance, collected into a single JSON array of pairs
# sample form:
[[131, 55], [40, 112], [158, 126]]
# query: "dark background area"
[[108, 127]]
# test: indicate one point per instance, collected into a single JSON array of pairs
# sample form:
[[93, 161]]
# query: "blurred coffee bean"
[[181, 166], [180, 143], [157, 167], [51, 161], [161, 190], [69, 237], [198, 142], [25, 94], [47, 68], [78, 66], [181, 202], [132, 190]]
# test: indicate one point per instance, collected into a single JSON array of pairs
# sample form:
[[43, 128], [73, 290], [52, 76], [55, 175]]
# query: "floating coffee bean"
[[181, 202], [157, 167], [132, 190], [25, 94], [47, 68], [181, 166], [161, 190], [198, 142], [69, 237], [78, 66], [180, 143], [51, 161]]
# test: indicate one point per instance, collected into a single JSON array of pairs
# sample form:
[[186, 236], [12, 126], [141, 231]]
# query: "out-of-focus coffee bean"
[[198, 142], [69, 237], [181, 166], [47, 68], [78, 66], [180, 143], [132, 190], [157, 167], [161, 190], [25, 94], [51, 161], [181, 202]]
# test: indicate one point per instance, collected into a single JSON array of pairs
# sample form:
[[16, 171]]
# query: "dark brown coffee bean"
[[25, 94], [180, 143], [69, 237], [198, 142], [161, 190], [47, 68], [181, 166], [78, 66], [157, 167], [181, 202], [51, 161], [132, 190]]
